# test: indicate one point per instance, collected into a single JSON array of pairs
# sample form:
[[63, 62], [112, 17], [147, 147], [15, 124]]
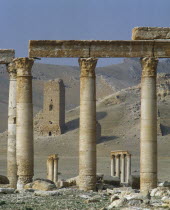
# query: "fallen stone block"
[[47, 193], [43, 185], [117, 203], [150, 33]]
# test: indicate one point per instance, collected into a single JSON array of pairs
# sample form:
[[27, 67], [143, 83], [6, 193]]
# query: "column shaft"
[[11, 149], [148, 143], [50, 169], [55, 179], [128, 167], [24, 134], [113, 165], [122, 168], [87, 133], [118, 166]]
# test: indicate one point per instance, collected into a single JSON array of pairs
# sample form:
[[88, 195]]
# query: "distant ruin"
[[52, 120]]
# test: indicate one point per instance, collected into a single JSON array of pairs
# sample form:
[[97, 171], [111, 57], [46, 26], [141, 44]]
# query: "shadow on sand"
[[74, 124], [165, 130], [106, 138]]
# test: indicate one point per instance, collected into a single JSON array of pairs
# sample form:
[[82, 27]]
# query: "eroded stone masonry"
[[52, 120]]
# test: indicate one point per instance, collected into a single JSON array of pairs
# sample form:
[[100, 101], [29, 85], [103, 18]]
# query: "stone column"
[[55, 179], [118, 165], [122, 168], [128, 161], [87, 133], [50, 168], [11, 148], [24, 133], [148, 142], [113, 165]]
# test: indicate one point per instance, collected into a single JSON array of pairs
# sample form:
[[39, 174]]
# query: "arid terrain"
[[118, 111]]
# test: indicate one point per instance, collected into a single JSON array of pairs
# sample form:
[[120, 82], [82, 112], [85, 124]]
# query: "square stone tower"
[[53, 108]]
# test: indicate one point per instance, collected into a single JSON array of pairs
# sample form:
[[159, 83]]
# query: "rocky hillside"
[[110, 79]]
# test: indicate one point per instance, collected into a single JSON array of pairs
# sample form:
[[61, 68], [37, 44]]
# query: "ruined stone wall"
[[163, 85], [52, 120]]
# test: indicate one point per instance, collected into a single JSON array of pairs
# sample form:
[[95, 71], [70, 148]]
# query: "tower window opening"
[[50, 133], [50, 107]]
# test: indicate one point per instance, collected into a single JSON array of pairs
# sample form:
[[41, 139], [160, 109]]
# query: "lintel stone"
[[150, 33], [6, 56], [99, 48]]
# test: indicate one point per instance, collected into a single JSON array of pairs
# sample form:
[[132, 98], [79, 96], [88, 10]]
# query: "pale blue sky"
[[23, 20]]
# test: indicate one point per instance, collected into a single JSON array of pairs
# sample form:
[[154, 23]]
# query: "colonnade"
[[121, 161], [87, 136], [52, 167]]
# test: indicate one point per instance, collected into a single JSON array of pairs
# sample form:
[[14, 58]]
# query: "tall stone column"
[[118, 165], [148, 142], [24, 133], [128, 161], [87, 133], [50, 168], [55, 179], [11, 148], [113, 165], [122, 168]]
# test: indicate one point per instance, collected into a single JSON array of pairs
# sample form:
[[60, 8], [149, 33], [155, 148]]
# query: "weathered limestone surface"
[[11, 148], [99, 48], [87, 133], [6, 56], [148, 143], [150, 33], [24, 134]]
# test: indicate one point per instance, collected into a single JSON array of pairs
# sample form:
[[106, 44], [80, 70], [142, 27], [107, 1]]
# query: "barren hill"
[[119, 116], [109, 80]]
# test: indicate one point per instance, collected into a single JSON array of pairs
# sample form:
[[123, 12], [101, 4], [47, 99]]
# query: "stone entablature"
[[99, 48], [121, 161], [6, 56], [150, 33]]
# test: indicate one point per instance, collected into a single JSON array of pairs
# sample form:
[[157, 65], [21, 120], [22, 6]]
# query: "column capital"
[[122, 155], [87, 66], [23, 66], [11, 69], [149, 65]]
